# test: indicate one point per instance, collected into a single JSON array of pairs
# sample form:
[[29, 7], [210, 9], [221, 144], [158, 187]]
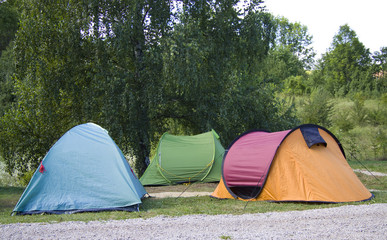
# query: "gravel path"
[[346, 222]]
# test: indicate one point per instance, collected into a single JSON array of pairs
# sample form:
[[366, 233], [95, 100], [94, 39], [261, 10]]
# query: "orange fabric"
[[221, 191], [302, 174]]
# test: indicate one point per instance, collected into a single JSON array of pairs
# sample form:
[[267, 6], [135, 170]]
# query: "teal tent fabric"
[[84, 171]]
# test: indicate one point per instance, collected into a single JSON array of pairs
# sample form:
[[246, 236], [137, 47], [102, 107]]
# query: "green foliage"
[[295, 85], [26, 177], [296, 38], [52, 83], [5, 178], [76, 63], [379, 71], [139, 68], [341, 120], [379, 143], [281, 64], [354, 124], [192, 68], [8, 23], [378, 115], [359, 113], [317, 109], [213, 72], [289, 57], [7, 69], [9, 18], [347, 66]]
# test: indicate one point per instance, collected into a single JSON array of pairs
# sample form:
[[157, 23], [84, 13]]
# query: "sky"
[[323, 19]]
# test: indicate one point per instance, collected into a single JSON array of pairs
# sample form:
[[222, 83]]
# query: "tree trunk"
[[142, 148]]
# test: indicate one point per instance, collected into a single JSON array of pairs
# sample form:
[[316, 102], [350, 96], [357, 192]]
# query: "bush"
[[364, 143], [379, 144], [6, 180], [359, 112], [295, 85], [341, 120], [25, 178], [317, 108], [377, 111]]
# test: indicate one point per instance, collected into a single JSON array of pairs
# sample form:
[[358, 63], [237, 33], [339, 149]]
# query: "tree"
[[7, 68], [345, 66], [212, 68], [379, 71], [8, 26], [296, 39], [78, 62], [281, 64], [380, 59], [199, 59], [8, 23], [289, 55], [137, 27], [317, 109], [49, 58], [137, 68]]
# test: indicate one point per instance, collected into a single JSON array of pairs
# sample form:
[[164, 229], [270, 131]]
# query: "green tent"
[[181, 159]]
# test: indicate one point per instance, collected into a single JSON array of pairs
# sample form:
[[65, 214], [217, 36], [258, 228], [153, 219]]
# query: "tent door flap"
[[312, 136]]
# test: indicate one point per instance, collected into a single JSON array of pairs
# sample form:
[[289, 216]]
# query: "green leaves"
[[346, 64], [296, 39], [317, 109], [139, 68], [9, 18]]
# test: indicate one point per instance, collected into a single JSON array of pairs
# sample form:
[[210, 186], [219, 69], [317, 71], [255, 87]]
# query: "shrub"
[[379, 144], [25, 178], [341, 120], [295, 85], [359, 113], [317, 108]]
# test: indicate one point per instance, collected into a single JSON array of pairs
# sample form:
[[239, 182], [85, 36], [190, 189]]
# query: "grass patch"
[[225, 237], [373, 166], [9, 197], [153, 207], [373, 182]]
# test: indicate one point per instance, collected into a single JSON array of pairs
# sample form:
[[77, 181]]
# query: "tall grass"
[[360, 124]]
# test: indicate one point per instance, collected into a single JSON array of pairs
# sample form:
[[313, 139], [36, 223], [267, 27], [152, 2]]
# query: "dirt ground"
[[193, 187], [181, 190], [179, 194]]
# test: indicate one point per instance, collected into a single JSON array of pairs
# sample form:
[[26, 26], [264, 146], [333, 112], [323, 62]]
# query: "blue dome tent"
[[84, 171]]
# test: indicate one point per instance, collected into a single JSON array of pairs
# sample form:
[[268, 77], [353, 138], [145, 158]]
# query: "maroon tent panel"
[[249, 158]]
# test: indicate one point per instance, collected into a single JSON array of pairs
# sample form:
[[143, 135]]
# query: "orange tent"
[[306, 163]]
